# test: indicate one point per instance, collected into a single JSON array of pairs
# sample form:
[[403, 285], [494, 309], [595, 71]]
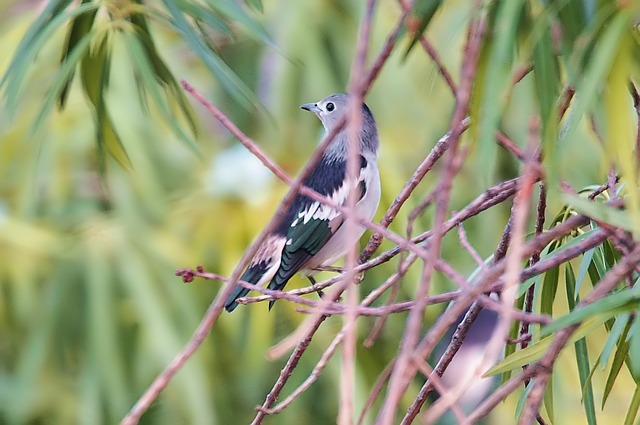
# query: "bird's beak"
[[311, 107]]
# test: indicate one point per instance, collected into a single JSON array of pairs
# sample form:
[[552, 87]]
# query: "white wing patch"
[[319, 211]]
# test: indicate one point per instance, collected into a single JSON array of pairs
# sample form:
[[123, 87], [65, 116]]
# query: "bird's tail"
[[238, 292]]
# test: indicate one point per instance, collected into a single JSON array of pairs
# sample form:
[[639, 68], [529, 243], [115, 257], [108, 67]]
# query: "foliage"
[[105, 196]]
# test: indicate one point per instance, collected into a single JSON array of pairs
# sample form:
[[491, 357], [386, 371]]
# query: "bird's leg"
[[313, 282]]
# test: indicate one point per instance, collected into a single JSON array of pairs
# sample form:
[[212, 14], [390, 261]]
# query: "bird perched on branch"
[[312, 234]]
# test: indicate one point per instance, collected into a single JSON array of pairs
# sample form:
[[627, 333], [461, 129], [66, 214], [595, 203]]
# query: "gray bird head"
[[330, 111]]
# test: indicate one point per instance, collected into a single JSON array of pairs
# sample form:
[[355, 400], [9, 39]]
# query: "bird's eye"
[[330, 106]]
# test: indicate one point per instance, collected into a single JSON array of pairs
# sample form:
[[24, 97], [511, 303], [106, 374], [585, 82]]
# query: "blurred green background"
[[90, 309]]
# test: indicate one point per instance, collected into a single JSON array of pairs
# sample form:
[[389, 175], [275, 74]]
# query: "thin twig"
[[462, 237], [286, 372], [347, 377], [528, 300]]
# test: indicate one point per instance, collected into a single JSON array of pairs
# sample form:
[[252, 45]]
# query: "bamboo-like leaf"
[[598, 68], [49, 21], [536, 350], [514, 331], [587, 257], [94, 73], [496, 81], [424, 10], [234, 12], [619, 329], [551, 250], [608, 307], [548, 399], [79, 28], [634, 349], [65, 71], [547, 81], [600, 212], [549, 289], [201, 13], [581, 350], [256, 4], [592, 371], [618, 360], [574, 18], [610, 253], [523, 398], [148, 76], [596, 268], [621, 124], [547, 252], [229, 80], [524, 286], [164, 75], [103, 337]]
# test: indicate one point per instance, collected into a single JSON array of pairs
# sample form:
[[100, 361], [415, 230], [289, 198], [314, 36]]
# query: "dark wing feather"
[[251, 275], [263, 261], [304, 241]]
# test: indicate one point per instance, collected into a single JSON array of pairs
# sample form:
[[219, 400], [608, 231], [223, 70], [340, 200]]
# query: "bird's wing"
[[313, 223], [261, 269]]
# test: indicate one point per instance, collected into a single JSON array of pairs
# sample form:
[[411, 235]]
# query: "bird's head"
[[329, 110], [333, 108]]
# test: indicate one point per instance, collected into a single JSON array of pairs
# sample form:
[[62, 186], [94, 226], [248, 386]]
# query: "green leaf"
[[229, 80], [546, 75], [598, 67], [550, 251], [496, 82], [523, 397], [548, 399], [164, 75], [619, 329], [620, 124], [634, 349], [587, 257], [536, 350], [200, 13], [618, 360], [600, 212], [581, 350], [549, 289], [101, 332], [79, 28], [61, 78], [94, 74], [424, 10], [148, 74], [255, 4], [235, 13], [608, 307], [49, 21], [610, 253], [514, 331], [596, 268]]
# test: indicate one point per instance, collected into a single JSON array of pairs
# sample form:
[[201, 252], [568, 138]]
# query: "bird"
[[312, 234]]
